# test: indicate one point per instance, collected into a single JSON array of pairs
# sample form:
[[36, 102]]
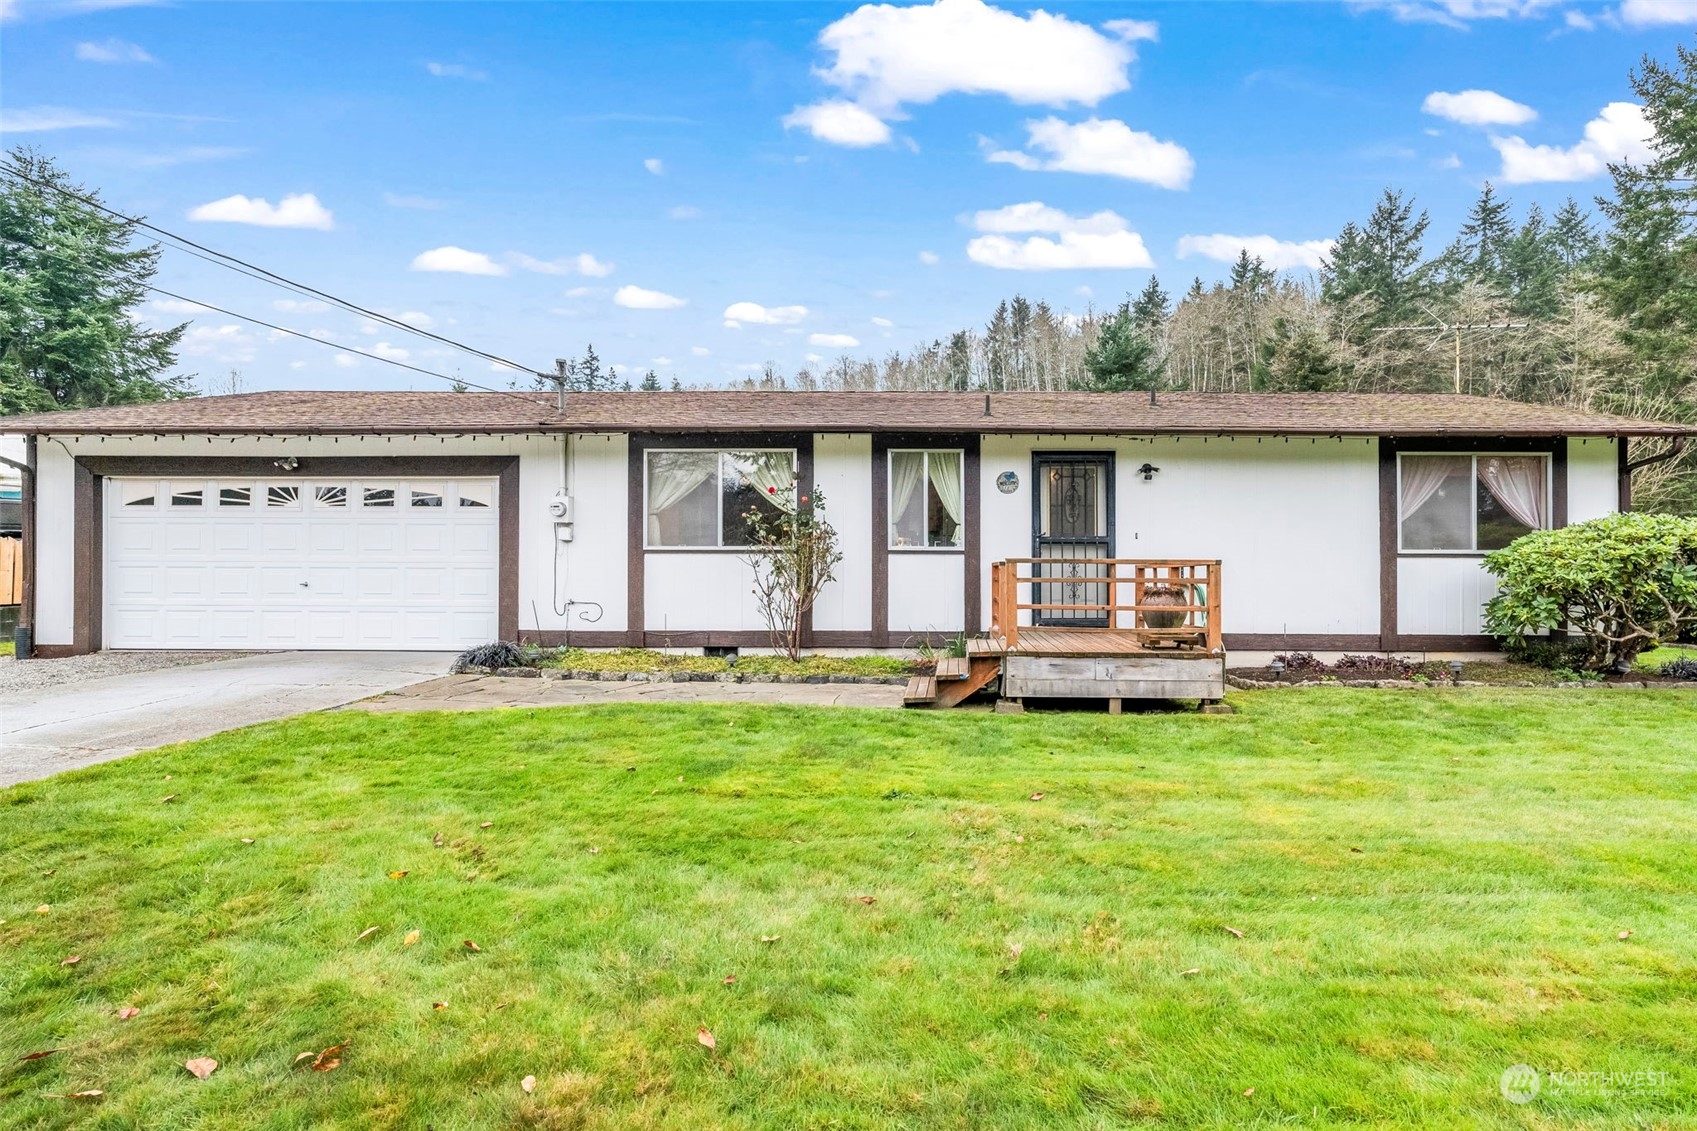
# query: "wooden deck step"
[[984, 646], [921, 691], [952, 667]]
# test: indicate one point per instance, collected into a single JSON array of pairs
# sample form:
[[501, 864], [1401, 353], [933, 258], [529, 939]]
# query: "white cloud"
[[1133, 30], [299, 305], [684, 212], [417, 318], [175, 306], [220, 343], [1478, 108], [752, 312], [580, 292], [640, 298], [457, 261], [661, 361], [583, 264], [1453, 161], [1579, 21], [813, 358], [699, 351], [882, 323], [301, 210], [1278, 254], [391, 353], [1104, 146], [654, 165], [1618, 134], [1648, 13], [840, 123], [404, 200], [113, 51], [455, 71], [1101, 240], [833, 341], [929, 258], [888, 55], [41, 118], [346, 360], [1455, 13]]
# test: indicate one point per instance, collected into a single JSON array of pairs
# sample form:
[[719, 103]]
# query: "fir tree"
[[650, 382], [1151, 308]]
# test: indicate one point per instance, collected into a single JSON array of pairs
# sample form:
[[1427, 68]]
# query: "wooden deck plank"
[[952, 667], [920, 689]]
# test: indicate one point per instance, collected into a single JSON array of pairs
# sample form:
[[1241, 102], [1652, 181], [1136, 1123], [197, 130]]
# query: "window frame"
[[1473, 458], [719, 454], [890, 517]]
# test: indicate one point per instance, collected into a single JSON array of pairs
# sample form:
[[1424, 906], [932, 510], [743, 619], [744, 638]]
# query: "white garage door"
[[300, 563]]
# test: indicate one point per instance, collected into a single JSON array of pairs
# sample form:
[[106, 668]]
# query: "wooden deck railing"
[[1197, 585]]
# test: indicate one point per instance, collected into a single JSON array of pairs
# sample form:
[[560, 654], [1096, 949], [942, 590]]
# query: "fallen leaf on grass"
[[869, 900], [201, 1067], [300, 1056], [1231, 930], [1019, 840], [1036, 797], [486, 825], [38, 1055], [1249, 1091], [127, 1012], [70, 960], [1355, 850], [412, 937], [1624, 935], [89, 1094], [44, 909], [247, 840], [594, 850], [397, 875], [329, 1060], [704, 1038], [167, 797], [49, 871], [436, 840], [365, 934], [473, 947], [438, 1005], [770, 938], [1194, 970], [730, 979], [528, 1084]]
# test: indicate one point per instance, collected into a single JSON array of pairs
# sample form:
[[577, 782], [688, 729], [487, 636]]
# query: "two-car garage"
[[300, 562]]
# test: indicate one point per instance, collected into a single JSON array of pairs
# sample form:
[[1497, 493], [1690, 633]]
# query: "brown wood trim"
[[1387, 544], [54, 651], [1446, 644], [846, 638], [1558, 482], [971, 490], [636, 573], [265, 467], [85, 560], [1300, 642], [1623, 470], [880, 545], [89, 474], [507, 556]]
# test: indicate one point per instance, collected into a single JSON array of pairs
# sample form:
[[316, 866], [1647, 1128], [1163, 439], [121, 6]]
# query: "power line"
[[261, 274]]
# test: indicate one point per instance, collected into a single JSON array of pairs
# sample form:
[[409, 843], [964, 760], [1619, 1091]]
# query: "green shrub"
[[1622, 584]]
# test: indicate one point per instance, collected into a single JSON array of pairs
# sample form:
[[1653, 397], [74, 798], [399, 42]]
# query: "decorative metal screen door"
[[1072, 521]]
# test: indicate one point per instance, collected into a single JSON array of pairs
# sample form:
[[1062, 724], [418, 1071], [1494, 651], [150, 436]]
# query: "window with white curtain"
[[702, 498], [927, 500], [1470, 503]]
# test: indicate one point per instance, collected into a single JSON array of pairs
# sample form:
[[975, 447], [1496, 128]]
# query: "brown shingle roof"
[[1326, 414]]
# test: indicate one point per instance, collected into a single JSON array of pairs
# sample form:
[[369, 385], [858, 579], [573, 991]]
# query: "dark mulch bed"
[[1437, 672]]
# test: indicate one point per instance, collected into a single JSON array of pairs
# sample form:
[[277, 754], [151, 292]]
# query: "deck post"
[[1213, 606]]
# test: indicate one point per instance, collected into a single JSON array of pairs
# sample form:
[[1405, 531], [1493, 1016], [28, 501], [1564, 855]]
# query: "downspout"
[[1627, 467]]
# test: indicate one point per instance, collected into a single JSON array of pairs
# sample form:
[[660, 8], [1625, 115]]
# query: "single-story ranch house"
[[371, 520]]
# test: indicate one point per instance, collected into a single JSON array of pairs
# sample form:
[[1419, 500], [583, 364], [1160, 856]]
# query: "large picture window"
[[926, 500], [1470, 503], [702, 498]]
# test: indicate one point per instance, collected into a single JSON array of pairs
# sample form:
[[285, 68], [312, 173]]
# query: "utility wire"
[[254, 271]]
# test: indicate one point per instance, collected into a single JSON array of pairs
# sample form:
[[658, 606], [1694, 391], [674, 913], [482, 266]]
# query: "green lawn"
[[1430, 888]]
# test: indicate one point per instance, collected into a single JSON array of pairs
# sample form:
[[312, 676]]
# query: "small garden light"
[[1455, 670], [1278, 667]]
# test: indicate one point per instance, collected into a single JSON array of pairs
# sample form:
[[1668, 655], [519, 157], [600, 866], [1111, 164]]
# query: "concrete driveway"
[[45, 730]]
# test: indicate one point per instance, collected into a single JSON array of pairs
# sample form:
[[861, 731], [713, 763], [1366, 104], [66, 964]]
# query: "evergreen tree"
[[677, 385], [1382, 263], [1572, 237], [1123, 358], [1151, 308], [1299, 362], [1532, 268], [1485, 238], [69, 282], [650, 382]]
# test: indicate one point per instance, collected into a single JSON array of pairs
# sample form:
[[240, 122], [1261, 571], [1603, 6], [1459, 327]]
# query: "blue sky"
[[702, 188]]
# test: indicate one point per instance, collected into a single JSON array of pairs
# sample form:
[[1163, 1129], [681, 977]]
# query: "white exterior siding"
[[592, 566], [927, 593], [1593, 479], [55, 543], [1295, 525], [842, 470], [699, 592]]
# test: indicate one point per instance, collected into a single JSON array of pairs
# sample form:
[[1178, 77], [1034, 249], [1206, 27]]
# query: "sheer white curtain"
[[1517, 483], [907, 472], [671, 477], [1421, 478], [770, 473], [946, 478]]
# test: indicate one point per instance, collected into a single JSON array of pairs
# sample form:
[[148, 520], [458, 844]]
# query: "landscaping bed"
[[1304, 670], [645, 664]]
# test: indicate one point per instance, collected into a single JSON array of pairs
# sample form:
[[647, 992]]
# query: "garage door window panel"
[[235, 495], [187, 494], [283, 496]]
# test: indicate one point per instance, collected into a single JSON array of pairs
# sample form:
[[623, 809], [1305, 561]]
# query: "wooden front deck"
[[1150, 630]]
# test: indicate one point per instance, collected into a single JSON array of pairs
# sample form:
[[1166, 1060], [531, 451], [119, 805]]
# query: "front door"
[[1072, 523]]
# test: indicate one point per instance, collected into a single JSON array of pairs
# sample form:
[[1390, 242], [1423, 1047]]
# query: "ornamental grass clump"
[[1620, 584]]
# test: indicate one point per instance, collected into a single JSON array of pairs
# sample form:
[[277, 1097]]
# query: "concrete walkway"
[[472, 692], [44, 731]]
